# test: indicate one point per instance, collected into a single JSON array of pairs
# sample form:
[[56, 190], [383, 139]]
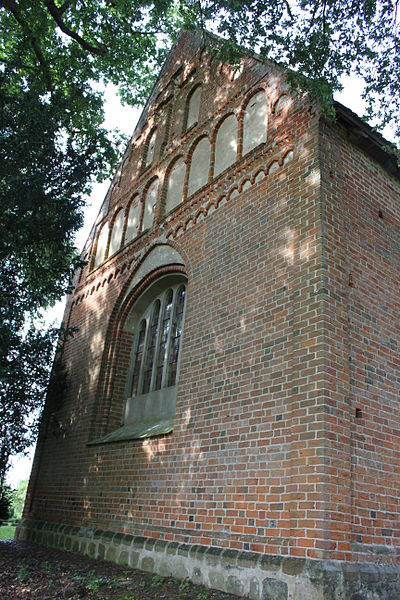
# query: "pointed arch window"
[[176, 181], [193, 107], [199, 166], [157, 343], [116, 233], [156, 321], [148, 351], [150, 148], [150, 204], [132, 226], [255, 122], [101, 249], [226, 144]]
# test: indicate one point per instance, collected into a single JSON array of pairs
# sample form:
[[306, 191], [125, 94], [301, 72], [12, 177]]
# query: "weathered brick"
[[287, 415]]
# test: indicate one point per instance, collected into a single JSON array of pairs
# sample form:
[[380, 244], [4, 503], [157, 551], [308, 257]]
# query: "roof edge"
[[368, 139]]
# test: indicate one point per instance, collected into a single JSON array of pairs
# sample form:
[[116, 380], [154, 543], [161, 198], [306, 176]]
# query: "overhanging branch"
[[99, 50], [13, 8]]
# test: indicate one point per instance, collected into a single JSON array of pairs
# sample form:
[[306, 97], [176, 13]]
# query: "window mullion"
[[167, 345], [146, 338], [133, 360], [129, 384], [159, 327], [181, 336]]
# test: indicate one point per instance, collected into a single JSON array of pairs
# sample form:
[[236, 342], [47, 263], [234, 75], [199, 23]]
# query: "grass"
[[157, 580], [22, 572], [7, 532]]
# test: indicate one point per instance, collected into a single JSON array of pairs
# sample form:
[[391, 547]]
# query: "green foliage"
[[94, 583], [22, 571], [18, 499], [184, 586], [53, 57], [47, 567], [319, 41], [157, 580], [7, 532], [5, 503], [24, 371]]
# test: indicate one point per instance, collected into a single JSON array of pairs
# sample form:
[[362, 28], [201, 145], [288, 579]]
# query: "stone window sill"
[[136, 431]]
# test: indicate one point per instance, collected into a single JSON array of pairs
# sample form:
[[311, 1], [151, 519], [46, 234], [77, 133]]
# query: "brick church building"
[[232, 414]]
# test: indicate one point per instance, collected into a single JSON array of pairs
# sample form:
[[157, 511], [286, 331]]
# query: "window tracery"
[[157, 342]]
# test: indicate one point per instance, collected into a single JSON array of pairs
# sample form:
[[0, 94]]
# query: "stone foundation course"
[[245, 574]]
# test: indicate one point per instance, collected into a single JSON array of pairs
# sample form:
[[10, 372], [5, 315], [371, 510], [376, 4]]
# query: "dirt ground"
[[32, 572]]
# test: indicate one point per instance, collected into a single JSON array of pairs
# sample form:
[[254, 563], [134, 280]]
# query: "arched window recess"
[[193, 107], [149, 149], [255, 119], [155, 324], [101, 246]]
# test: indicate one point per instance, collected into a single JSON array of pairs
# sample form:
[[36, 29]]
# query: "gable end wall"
[[271, 482]]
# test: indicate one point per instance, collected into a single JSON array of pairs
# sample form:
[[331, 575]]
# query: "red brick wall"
[[266, 454], [363, 269]]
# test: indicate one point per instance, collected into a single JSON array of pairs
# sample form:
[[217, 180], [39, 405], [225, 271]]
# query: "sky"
[[125, 119]]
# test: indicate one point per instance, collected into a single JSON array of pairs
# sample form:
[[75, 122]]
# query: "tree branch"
[[203, 35], [63, 7], [16, 65], [289, 10], [56, 14], [316, 6], [134, 32], [12, 7]]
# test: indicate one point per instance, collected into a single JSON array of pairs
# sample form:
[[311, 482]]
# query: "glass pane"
[[166, 322], [151, 345], [138, 358], [176, 333]]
